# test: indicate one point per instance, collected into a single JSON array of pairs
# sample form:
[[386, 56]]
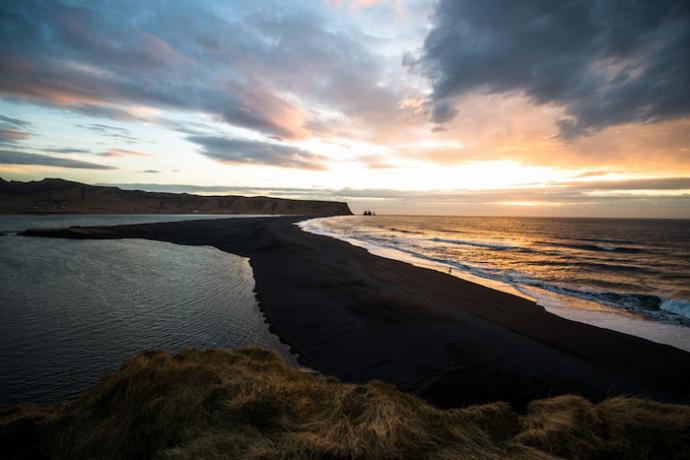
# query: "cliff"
[[249, 404], [57, 196]]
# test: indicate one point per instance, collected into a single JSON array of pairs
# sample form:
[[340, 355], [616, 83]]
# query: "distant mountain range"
[[58, 196]]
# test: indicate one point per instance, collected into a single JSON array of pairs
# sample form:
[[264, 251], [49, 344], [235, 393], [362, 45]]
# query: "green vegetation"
[[212, 404]]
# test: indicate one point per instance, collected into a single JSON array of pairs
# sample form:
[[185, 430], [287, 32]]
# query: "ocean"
[[72, 311], [628, 275]]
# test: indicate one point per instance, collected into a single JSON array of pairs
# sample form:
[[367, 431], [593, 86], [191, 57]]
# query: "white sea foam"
[[559, 264], [677, 306]]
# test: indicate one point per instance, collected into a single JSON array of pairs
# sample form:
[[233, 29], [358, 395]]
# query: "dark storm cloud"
[[606, 62], [11, 157], [232, 150], [239, 62]]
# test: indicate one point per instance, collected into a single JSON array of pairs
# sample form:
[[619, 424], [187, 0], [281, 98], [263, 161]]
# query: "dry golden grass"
[[218, 404]]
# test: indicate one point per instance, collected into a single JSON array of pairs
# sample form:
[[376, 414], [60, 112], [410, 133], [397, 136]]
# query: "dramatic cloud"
[[400, 94], [606, 63], [252, 66], [256, 152], [10, 157], [13, 130], [8, 136]]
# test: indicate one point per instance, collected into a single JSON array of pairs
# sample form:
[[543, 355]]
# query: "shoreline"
[[583, 310], [358, 317]]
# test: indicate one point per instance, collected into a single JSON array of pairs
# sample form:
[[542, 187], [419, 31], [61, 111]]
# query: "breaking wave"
[[629, 273]]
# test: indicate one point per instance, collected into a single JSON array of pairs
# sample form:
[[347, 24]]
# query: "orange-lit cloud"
[[125, 153], [356, 94], [491, 127]]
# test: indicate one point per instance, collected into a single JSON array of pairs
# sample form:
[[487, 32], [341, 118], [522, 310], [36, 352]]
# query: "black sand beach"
[[360, 317]]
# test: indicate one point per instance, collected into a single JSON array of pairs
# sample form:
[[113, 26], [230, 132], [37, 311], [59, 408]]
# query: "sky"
[[459, 107]]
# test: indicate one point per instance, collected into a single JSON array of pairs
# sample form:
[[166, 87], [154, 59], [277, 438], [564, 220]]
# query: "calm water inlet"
[[71, 311]]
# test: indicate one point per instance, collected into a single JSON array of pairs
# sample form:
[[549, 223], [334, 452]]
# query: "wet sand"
[[360, 317]]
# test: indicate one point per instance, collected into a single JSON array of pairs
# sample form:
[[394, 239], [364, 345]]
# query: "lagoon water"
[[629, 275], [71, 311]]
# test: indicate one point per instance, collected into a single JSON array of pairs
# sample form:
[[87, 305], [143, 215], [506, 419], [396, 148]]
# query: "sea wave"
[[416, 248], [594, 247], [409, 232], [677, 306], [629, 301], [673, 311], [474, 243], [607, 266], [676, 311]]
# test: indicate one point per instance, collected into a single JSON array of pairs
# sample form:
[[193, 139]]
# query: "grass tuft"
[[219, 404]]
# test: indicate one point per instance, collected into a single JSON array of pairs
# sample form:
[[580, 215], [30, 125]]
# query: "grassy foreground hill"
[[216, 404]]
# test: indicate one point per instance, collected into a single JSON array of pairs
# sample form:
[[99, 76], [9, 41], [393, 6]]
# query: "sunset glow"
[[357, 229], [352, 100]]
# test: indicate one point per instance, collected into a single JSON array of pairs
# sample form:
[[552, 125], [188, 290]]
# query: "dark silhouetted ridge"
[[62, 196]]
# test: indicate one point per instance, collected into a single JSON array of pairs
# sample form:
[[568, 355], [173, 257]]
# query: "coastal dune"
[[359, 317]]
